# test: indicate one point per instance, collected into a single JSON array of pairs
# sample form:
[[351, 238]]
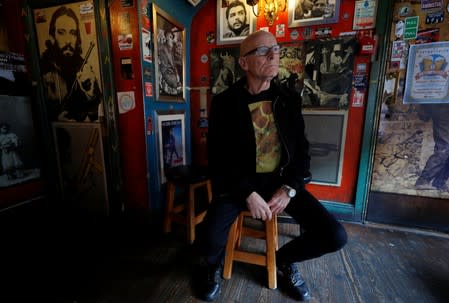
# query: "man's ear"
[[243, 63]]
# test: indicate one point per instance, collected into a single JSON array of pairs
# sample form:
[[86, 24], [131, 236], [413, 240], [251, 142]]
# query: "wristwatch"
[[291, 192]]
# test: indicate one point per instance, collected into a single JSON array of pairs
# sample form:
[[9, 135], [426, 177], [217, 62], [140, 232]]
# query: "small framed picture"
[[171, 140], [310, 12], [235, 21], [170, 57]]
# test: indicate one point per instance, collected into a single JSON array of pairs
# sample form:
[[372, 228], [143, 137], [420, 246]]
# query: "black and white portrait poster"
[[328, 72], [69, 62], [235, 21]]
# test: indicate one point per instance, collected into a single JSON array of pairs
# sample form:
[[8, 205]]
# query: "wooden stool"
[[187, 179], [234, 252]]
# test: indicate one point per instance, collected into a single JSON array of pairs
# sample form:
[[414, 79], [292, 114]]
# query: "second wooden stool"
[[235, 253], [187, 179]]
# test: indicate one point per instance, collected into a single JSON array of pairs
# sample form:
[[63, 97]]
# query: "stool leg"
[[209, 191], [230, 246], [191, 215], [169, 206], [271, 240]]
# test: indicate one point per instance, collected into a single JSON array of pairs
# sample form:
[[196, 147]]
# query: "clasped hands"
[[261, 209]]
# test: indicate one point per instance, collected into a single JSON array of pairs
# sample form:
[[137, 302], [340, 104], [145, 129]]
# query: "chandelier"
[[269, 8]]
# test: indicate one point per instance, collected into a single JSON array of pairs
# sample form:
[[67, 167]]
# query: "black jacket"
[[232, 146]]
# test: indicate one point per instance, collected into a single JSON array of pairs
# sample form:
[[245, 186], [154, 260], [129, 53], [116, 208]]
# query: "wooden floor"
[[76, 260]]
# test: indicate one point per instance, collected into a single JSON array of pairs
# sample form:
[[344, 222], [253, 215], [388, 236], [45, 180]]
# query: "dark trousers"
[[322, 232]]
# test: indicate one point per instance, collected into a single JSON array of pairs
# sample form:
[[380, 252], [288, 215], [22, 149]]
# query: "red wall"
[[205, 23], [131, 123]]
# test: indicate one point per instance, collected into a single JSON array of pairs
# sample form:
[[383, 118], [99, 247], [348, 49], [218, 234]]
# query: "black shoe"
[[295, 281], [209, 282]]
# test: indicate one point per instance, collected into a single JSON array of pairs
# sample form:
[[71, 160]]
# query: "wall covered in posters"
[[412, 149]]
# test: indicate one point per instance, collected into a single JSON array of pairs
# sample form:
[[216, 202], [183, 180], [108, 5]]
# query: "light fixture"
[[269, 8]]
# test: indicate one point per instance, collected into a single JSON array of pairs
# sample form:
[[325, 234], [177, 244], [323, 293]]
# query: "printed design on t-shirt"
[[268, 149]]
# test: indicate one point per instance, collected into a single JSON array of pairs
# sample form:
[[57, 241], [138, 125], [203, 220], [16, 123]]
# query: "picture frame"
[[169, 56], [81, 165], [225, 35], [171, 134], [19, 161], [328, 72], [322, 12], [326, 133], [426, 78]]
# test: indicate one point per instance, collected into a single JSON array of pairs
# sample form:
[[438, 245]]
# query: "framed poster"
[[19, 156], [427, 78], [235, 21], [326, 132], [82, 173], [69, 61], [225, 68], [328, 72], [309, 12], [169, 53], [171, 140]]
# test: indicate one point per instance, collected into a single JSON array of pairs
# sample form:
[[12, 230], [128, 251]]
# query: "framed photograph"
[[170, 57], [19, 156], [235, 21], [427, 78], [326, 132], [310, 12], [69, 64], [291, 66], [171, 140], [82, 173], [328, 72], [225, 68]]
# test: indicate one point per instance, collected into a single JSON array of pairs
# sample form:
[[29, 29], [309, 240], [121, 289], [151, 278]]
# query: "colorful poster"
[[427, 74]]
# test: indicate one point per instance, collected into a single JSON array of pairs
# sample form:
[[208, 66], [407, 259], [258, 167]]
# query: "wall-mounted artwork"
[[225, 68], [169, 50], [427, 78], [82, 172], [19, 156], [326, 132], [69, 63], [309, 12], [328, 72], [291, 67], [171, 140], [235, 21]]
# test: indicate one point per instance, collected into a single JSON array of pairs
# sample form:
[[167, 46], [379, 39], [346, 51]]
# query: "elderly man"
[[259, 161]]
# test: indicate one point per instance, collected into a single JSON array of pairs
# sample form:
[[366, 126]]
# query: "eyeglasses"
[[264, 50]]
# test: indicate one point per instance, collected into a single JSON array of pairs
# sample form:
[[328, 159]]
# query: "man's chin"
[[67, 54]]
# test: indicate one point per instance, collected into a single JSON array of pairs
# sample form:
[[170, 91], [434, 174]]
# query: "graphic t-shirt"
[[268, 148]]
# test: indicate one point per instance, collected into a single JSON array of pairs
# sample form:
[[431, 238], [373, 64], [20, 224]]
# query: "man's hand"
[[258, 207], [279, 201]]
